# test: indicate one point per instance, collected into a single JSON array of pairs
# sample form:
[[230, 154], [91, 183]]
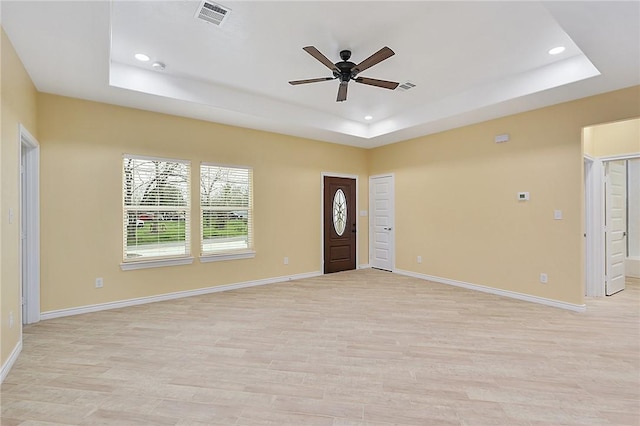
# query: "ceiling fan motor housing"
[[344, 67]]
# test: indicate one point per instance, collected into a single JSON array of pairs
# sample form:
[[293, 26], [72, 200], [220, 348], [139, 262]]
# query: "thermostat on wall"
[[502, 138], [523, 196]]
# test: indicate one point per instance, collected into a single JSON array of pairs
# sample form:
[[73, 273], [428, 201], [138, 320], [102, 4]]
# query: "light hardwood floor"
[[356, 348]]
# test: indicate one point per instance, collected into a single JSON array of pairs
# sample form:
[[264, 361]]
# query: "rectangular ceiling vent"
[[212, 12], [406, 86]]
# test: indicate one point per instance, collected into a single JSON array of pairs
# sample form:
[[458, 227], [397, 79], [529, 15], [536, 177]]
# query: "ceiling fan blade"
[[378, 83], [342, 91], [319, 56], [311, 80], [377, 57]]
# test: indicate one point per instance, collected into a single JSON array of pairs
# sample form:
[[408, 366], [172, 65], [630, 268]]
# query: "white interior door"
[[381, 216], [616, 225]]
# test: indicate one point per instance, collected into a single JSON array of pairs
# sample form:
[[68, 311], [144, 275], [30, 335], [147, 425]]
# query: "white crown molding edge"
[[169, 296], [4, 371], [496, 291]]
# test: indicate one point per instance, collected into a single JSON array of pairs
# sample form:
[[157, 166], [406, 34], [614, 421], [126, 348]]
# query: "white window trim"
[[227, 256], [149, 158], [157, 263]]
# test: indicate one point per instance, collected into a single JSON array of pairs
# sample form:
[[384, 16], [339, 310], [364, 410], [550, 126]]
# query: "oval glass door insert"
[[339, 212]]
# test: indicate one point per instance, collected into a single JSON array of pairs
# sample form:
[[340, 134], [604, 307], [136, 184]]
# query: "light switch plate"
[[557, 214]]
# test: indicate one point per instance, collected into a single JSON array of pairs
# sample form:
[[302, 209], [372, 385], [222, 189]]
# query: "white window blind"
[[226, 203], [156, 200]]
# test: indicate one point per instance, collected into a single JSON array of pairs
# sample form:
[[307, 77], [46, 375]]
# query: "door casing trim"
[[30, 290]]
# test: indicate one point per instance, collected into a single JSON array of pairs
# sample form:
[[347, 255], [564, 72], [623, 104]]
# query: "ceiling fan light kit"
[[346, 71]]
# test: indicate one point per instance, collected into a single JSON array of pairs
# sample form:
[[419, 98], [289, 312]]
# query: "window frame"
[[161, 260], [231, 254]]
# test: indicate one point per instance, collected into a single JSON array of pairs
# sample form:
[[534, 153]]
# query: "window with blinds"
[[226, 203], [156, 201]]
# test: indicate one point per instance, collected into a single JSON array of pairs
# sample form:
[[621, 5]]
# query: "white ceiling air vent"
[[406, 86], [212, 12]]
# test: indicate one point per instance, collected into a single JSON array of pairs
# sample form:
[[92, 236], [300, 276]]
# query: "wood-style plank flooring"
[[355, 348]]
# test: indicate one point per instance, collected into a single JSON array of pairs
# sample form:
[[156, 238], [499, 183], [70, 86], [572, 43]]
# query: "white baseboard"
[[169, 296], [496, 291], [4, 371], [367, 266]]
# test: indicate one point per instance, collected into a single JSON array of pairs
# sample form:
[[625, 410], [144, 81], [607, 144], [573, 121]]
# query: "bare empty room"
[[319, 213]]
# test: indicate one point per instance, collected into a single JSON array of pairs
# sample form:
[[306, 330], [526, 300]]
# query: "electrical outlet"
[[544, 278], [286, 260], [99, 282], [419, 259]]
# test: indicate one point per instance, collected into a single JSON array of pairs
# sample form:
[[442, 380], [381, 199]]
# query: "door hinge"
[[22, 301]]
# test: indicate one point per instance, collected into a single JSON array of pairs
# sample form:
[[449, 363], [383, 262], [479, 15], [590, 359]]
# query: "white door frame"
[[371, 221], [338, 175], [30, 284], [595, 222]]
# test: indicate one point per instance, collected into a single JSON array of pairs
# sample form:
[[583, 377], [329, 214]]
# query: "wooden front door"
[[339, 224]]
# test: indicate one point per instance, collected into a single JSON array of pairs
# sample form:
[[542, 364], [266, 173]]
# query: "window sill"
[[227, 256], [144, 264]]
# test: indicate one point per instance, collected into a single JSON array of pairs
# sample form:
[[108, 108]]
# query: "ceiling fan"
[[347, 71]]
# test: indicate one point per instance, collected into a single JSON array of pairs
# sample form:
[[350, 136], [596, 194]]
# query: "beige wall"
[[587, 140], [18, 100], [618, 138], [456, 200], [82, 144]]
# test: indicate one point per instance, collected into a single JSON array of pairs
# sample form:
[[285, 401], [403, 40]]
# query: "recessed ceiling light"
[[556, 50], [368, 117], [159, 66], [142, 57]]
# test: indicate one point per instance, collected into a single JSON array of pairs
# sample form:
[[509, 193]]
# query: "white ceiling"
[[470, 61]]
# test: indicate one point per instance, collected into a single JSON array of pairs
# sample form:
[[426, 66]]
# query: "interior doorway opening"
[[612, 206]]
